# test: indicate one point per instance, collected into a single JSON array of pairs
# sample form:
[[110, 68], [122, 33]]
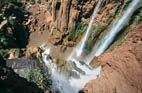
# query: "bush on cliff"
[[13, 33]]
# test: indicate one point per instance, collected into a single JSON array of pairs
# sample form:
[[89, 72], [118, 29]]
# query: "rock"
[[54, 2], [63, 16], [3, 23], [94, 63], [47, 91], [15, 53], [121, 68], [63, 48], [10, 82], [83, 91], [68, 13], [76, 68], [33, 51], [32, 70], [22, 65]]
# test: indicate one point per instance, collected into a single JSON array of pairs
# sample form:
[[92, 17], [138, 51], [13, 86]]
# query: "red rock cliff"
[[121, 68]]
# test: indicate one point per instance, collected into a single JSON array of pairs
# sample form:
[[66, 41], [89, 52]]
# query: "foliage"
[[81, 28], [74, 35], [95, 36], [5, 40], [46, 0], [135, 19], [32, 2], [40, 78], [13, 34], [3, 53], [39, 1]]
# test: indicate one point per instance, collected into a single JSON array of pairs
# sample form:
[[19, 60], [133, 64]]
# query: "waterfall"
[[60, 82], [73, 85], [104, 43], [69, 85], [79, 49]]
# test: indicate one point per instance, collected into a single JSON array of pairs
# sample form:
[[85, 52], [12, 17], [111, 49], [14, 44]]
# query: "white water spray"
[[69, 85], [60, 82], [108, 39], [73, 85], [79, 83], [79, 49]]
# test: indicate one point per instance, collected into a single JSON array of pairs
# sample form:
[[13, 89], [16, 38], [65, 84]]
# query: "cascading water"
[[73, 85], [108, 39], [59, 81], [69, 85], [79, 49]]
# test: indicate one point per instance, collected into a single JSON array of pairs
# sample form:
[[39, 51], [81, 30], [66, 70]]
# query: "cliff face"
[[10, 82], [66, 21], [68, 15], [121, 68]]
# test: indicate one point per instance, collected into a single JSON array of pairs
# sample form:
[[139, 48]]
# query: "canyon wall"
[[121, 68], [66, 21]]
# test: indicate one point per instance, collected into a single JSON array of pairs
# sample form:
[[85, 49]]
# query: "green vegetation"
[[81, 28], [40, 78], [39, 1], [135, 19], [5, 40], [79, 31], [95, 36], [13, 33], [32, 2], [3, 53]]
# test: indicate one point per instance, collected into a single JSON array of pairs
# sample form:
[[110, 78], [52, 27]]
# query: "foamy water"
[[69, 85], [73, 85]]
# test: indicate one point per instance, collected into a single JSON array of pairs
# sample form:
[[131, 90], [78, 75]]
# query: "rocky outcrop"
[[68, 15], [10, 82], [30, 52], [121, 68], [65, 21], [28, 64], [63, 16]]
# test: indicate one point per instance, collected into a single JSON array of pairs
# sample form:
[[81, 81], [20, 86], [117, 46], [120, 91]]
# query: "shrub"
[[32, 2], [40, 78], [74, 35], [39, 1]]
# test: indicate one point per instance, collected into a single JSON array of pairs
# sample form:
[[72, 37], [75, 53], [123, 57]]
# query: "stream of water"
[[73, 85], [79, 49], [104, 43]]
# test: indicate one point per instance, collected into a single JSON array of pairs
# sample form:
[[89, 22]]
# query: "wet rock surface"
[[56, 22], [121, 68]]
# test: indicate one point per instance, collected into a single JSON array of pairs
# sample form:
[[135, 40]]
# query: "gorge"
[[69, 46]]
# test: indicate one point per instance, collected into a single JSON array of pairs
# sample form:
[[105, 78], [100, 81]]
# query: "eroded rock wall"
[[121, 68], [68, 15]]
